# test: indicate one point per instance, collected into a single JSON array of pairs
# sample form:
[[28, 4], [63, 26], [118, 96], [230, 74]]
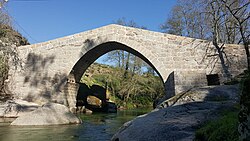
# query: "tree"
[[216, 15], [174, 24], [193, 18], [220, 21], [186, 19], [122, 21], [240, 11], [125, 60]]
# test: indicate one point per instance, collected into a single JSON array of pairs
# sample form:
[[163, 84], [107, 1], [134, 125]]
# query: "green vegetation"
[[9, 40], [134, 90], [226, 127], [223, 129], [244, 113]]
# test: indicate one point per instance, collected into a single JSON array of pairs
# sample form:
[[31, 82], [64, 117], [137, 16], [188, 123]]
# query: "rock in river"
[[177, 123], [48, 114]]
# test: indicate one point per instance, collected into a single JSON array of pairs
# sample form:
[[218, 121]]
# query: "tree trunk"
[[122, 58], [246, 46], [127, 66], [119, 59], [248, 55]]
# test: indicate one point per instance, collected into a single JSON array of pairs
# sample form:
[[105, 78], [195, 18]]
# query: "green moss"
[[223, 129]]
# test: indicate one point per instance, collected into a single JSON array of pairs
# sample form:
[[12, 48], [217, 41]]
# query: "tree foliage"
[[140, 89]]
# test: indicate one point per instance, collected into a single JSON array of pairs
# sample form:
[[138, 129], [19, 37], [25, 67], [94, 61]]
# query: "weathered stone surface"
[[206, 93], [16, 108], [177, 122], [93, 100], [50, 71], [48, 114], [170, 124]]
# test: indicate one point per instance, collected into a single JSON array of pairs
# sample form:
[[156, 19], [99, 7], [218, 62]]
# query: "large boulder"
[[48, 114], [206, 93], [172, 123], [179, 117]]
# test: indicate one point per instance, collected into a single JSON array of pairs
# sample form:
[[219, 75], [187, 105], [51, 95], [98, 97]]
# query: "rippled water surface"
[[95, 127]]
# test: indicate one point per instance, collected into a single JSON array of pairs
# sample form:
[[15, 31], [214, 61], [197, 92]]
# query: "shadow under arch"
[[92, 55]]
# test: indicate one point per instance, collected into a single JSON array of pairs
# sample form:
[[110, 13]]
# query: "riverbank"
[[179, 118], [175, 119], [95, 127]]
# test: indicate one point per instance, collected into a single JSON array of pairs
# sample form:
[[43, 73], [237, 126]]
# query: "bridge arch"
[[89, 57], [92, 55]]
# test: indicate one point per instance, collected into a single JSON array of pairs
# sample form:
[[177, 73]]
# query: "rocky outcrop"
[[170, 124], [48, 114], [206, 93], [180, 121]]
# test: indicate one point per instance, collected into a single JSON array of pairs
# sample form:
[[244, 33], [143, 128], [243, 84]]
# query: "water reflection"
[[96, 127]]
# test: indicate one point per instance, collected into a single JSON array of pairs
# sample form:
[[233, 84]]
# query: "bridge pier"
[[169, 86], [71, 90]]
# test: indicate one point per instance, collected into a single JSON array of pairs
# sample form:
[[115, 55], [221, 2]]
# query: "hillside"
[[9, 40], [9, 36], [135, 90]]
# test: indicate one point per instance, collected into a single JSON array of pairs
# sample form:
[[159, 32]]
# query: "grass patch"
[[223, 129]]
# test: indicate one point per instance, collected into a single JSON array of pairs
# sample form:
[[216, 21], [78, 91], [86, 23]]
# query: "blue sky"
[[43, 20]]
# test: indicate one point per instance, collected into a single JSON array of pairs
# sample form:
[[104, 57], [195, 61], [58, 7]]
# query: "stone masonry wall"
[[182, 62]]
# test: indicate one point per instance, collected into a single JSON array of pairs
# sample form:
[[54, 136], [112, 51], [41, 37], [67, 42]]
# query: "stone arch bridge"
[[50, 71]]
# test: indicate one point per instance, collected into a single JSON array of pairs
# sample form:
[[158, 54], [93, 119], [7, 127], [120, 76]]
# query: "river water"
[[95, 127]]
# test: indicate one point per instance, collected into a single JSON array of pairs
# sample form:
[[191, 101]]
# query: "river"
[[95, 127]]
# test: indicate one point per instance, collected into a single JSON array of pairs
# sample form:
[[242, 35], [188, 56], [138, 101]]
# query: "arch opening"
[[89, 58]]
